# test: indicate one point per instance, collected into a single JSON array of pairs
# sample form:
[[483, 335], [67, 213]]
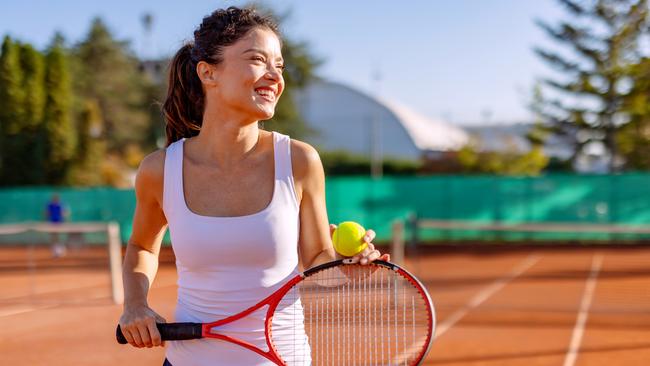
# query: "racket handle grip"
[[170, 332]]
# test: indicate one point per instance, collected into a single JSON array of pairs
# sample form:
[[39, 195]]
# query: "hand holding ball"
[[348, 239]]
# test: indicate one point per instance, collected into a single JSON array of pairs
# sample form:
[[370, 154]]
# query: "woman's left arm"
[[315, 243]]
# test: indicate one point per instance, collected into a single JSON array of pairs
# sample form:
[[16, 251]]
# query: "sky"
[[467, 62]]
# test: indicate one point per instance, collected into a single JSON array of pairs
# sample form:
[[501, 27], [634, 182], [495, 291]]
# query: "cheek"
[[281, 88], [243, 77]]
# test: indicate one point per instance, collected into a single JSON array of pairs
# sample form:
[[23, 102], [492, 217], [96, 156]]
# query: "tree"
[[107, 71], [154, 93], [87, 167], [12, 98], [32, 135], [511, 161], [634, 138], [60, 140], [604, 39]]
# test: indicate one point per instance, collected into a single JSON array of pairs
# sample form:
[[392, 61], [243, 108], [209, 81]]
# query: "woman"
[[243, 205]]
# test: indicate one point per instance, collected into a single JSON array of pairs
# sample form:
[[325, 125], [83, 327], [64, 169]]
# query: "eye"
[[258, 58], [280, 67]]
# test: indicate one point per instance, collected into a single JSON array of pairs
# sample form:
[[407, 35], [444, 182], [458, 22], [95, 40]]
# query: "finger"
[[385, 257], [370, 257], [144, 333], [332, 228], [370, 235], [154, 333], [137, 339], [366, 251], [128, 336]]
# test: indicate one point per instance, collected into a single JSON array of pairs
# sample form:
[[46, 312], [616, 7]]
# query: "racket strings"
[[352, 315]]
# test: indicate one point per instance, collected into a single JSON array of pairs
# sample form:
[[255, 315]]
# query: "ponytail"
[[183, 106]]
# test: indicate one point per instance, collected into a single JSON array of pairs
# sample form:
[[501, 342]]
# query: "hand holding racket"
[[142, 322], [347, 314]]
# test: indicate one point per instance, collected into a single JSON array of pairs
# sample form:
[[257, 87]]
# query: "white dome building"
[[346, 119]]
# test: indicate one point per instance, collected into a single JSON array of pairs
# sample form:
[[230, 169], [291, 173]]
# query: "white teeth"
[[265, 93]]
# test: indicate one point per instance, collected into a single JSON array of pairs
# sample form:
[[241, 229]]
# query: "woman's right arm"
[[138, 321]]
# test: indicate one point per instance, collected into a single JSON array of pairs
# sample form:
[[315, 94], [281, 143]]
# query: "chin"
[[265, 114]]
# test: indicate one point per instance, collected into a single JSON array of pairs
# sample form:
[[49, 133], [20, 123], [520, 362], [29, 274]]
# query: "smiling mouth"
[[266, 94]]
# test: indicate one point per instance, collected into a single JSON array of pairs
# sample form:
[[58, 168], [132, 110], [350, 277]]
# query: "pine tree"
[[60, 135], [634, 137], [604, 38], [12, 97]]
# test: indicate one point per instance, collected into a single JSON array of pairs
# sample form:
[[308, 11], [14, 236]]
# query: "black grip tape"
[[170, 332]]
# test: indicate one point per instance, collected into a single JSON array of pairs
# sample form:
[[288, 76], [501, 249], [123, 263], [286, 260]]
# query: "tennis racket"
[[335, 314]]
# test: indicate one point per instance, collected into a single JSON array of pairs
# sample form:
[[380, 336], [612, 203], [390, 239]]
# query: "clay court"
[[496, 305]]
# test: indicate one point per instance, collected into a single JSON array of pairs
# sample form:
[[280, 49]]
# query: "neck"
[[225, 141]]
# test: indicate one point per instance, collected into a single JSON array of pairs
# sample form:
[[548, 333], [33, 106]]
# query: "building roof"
[[333, 101], [427, 134]]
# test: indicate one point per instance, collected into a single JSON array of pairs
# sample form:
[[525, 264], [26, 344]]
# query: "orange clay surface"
[[495, 306]]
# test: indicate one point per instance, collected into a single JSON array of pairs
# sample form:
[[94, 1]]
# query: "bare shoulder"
[[304, 160], [153, 165], [151, 173]]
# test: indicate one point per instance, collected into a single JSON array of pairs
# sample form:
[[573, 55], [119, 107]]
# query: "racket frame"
[[273, 300]]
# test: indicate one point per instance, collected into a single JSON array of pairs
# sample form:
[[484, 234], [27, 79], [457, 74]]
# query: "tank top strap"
[[283, 168], [172, 185]]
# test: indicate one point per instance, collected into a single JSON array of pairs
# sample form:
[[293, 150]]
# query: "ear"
[[207, 73]]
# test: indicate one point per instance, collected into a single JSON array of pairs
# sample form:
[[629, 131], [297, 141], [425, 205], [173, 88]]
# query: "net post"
[[115, 258], [397, 242]]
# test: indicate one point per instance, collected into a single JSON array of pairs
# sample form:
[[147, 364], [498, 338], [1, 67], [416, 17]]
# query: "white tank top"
[[227, 264]]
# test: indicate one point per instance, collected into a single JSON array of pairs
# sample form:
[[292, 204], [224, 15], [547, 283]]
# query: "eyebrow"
[[259, 50]]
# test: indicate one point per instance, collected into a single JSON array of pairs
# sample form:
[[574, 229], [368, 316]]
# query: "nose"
[[272, 73]]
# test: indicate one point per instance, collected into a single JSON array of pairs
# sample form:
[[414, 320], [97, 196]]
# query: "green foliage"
[[603, 49], [634, 137], [12, 94], [86, 115], [32, 135], [107, 71], [33, 67], [538, 135], [86, 169], [60, 140], [12, 113], [508, 162], [154, 137], [344, 163]]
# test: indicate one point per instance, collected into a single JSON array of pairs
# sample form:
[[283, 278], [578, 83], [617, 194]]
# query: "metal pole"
[[115, 258], [397, 244], [376, 161]]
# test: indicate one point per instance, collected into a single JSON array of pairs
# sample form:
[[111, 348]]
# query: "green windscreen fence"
[[576, 199]]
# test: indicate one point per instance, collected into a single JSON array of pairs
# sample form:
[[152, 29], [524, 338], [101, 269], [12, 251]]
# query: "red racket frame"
[[274, 299]]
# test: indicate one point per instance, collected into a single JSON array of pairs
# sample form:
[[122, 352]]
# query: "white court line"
[[585, 304], [23, 309], [49, 292], [485, 294]]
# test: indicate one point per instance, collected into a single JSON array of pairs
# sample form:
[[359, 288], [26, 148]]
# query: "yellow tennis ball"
[[348, 239]]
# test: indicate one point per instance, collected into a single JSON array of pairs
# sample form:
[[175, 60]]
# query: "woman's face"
[[249, 79]]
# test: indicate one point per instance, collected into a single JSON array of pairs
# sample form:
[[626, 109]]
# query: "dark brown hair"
[[183, 106]]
